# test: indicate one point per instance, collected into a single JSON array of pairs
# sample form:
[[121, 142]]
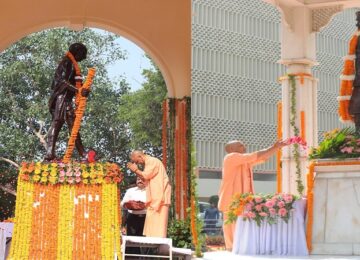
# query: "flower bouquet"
[[338, 144], [260, 208]]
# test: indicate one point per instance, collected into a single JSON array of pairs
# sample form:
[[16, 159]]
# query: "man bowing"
[[158, 192]]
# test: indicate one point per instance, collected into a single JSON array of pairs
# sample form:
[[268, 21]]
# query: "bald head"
[[137, 156], [235, 147]]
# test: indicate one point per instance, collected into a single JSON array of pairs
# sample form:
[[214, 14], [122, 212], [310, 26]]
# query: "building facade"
[[235, 88]]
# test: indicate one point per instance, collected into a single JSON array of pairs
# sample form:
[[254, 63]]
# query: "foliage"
[[143, 111], [260, 208], [198, 237], [296, 153], [179, 232], [338, 144]]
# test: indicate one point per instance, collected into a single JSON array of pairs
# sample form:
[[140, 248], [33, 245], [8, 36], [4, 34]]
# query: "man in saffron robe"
[[237, 177], [158, 192]]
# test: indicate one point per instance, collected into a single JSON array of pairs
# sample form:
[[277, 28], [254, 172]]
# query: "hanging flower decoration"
[[67, 221], [80, 103]]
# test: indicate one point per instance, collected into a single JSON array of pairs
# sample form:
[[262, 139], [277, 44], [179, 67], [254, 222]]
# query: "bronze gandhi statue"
[[354, 106], [61, 99]]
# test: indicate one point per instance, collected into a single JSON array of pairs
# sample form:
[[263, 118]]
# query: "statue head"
[[358, 19], [78, 50]]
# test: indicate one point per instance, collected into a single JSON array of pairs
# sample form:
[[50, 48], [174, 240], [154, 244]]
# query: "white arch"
[[105, 25]]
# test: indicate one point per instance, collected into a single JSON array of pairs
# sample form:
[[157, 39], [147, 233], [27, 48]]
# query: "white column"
[[298, 55]]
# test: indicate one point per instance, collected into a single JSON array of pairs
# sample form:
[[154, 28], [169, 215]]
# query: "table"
[[276, 239]]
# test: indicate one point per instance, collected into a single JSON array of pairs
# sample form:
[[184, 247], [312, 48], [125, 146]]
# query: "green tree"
[[26, 72], [143, 111]]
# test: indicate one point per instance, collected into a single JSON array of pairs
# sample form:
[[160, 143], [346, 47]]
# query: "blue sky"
[[132, 67]]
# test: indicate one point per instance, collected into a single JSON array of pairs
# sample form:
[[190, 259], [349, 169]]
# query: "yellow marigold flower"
[[53, 173], [45, 173], [85, 181], [37, 171], [52, 179], [44, 179], [93, 181], [36, 178], [85, 174], [38, 164], [100, 173], [54, 165], [93, 175], [100, 180], [45, 167]]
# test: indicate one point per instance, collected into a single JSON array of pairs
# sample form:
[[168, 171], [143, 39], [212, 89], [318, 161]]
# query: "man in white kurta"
[[134, 201], [158, 192]]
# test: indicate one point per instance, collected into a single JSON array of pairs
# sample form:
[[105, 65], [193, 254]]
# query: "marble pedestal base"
[[336, 226]]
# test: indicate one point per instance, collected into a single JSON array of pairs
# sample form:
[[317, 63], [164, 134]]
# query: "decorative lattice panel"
[[236, 46]]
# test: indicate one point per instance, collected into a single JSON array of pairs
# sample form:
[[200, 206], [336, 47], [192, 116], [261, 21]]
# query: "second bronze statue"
[[61, 103], [354, 106]]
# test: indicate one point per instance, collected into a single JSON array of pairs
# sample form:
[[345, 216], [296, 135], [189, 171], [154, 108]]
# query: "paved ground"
[[224, 255]]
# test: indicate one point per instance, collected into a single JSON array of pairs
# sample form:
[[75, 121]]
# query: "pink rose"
[[78, 179], [70, 180], [248, 206], [77, 174], [69, 173], [281, 204], [269, 204], [263, 214], [251, 214], [258, 207], [61, 179], [258, 199], [272, 211], [282, 212], [347, 150], [62, 173], [288, 198]]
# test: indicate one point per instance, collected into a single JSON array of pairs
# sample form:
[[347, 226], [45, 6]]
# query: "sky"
[[131, 67]]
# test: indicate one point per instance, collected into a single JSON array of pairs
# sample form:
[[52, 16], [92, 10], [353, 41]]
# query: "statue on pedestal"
[[354, 106], [64, 88]]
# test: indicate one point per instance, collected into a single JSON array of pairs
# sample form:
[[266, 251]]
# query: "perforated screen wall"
[[235, 89]]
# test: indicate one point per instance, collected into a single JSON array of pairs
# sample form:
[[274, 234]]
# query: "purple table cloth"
[[276, 239]]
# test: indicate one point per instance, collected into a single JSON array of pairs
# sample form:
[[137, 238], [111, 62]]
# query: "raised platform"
[[336, 226], [224, 255]]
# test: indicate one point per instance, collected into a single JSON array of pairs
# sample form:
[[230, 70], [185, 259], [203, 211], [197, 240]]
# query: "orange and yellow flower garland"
[[65, 221], [347, 78], [80, 102]]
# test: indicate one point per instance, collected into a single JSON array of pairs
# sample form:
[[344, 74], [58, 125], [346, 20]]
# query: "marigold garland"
[[164, 132], [347, 78], [80, 102], [66, 221], [310, 195]]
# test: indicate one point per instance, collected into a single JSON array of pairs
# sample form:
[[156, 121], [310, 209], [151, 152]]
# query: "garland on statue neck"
[[347, 78]]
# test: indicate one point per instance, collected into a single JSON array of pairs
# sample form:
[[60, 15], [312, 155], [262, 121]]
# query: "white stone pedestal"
[[336, 226]]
